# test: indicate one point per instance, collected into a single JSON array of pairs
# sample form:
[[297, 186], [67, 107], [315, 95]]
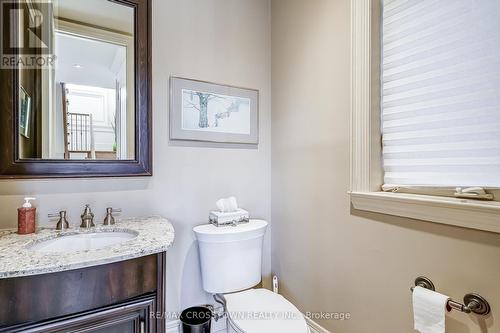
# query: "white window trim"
[[366, 166]]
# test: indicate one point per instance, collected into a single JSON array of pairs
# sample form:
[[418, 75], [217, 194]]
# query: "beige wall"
[[327, 257], [225, 41]]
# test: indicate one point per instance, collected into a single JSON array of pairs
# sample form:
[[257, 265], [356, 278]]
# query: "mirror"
[[75, 88], [81, 107]]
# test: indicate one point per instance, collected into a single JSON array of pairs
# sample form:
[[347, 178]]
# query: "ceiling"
[[101, 13], [94, 59]]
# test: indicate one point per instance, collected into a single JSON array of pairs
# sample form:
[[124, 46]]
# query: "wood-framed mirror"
[[75, 88]]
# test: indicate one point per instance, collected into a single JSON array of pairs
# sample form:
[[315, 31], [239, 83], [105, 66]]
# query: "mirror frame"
[[12, 167]]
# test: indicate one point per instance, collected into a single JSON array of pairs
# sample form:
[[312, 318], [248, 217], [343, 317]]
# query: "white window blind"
[[441, 92]]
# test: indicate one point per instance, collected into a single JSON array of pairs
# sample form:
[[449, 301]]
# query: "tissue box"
[[219, 218]]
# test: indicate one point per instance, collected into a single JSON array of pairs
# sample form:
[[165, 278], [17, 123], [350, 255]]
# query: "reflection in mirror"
[[83, 107]]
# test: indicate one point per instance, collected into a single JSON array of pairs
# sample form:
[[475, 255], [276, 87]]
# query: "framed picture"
[[24, 113], [204, 111]]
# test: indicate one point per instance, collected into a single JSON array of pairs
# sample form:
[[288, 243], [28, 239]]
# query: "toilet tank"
[[231, 257]]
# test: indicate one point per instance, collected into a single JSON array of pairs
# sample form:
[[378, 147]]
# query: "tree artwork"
[[223, 107]]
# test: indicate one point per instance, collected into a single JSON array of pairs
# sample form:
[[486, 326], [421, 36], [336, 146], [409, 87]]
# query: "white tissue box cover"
[[229, 217]]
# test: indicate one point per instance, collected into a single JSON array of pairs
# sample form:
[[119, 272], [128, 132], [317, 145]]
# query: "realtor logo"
[[26, 38]]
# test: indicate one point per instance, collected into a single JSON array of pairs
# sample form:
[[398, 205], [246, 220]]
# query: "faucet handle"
[[57, 215], [87, 209], [109, 219], [87, 213], [62, 223]]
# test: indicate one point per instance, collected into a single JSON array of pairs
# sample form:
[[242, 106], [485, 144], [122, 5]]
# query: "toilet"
[[231, 265]]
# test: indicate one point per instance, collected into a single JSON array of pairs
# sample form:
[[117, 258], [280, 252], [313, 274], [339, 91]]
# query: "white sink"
[[83, 242]]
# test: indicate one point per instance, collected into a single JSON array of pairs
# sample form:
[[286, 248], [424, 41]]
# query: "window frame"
[[366, 146]]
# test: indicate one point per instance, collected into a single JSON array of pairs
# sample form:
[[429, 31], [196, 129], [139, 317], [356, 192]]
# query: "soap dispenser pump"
[[26, 217]]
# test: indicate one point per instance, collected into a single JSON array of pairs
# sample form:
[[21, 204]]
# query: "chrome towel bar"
[[473, 303]]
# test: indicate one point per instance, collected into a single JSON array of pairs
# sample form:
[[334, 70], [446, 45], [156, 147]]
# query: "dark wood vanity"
[[120, 297]]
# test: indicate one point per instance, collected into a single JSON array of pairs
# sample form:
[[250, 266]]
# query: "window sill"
[[482, 215]]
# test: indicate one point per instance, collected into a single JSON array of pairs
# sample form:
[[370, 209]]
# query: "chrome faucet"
[[87, 218]]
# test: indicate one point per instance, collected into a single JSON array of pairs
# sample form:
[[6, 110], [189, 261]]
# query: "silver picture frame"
[[204, 111]]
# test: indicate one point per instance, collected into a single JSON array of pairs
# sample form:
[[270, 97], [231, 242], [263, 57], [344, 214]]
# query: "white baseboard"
[[315, 327], [175, 327]]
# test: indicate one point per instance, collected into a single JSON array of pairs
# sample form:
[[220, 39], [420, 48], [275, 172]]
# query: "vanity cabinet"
[[119, 297], [129, 317]]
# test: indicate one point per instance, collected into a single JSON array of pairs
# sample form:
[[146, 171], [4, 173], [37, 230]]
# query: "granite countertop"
[[154, 235]]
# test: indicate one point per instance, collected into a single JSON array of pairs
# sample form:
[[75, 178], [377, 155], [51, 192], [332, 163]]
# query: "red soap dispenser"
[[26, 217]]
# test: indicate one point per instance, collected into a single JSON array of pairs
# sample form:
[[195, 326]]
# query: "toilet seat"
[[262, 311]]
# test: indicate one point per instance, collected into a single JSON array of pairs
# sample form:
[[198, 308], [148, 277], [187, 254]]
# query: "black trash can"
[[196, 320]]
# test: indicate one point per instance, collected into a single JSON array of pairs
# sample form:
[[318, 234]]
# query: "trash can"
[[196, 320]]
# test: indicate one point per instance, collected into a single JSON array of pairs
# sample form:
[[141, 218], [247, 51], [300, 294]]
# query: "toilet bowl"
[[262, 311], [231, 264]]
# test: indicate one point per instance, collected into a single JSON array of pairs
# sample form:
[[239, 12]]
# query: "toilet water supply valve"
[[219, 314]]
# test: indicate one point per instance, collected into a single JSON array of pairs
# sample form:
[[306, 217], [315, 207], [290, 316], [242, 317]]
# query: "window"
[[425, 109], [440, 88]]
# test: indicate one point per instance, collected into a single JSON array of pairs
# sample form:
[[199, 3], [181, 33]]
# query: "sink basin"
[[83, 242]]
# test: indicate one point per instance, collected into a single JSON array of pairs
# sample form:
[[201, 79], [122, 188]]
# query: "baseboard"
[[175, 327], [315, 327]]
